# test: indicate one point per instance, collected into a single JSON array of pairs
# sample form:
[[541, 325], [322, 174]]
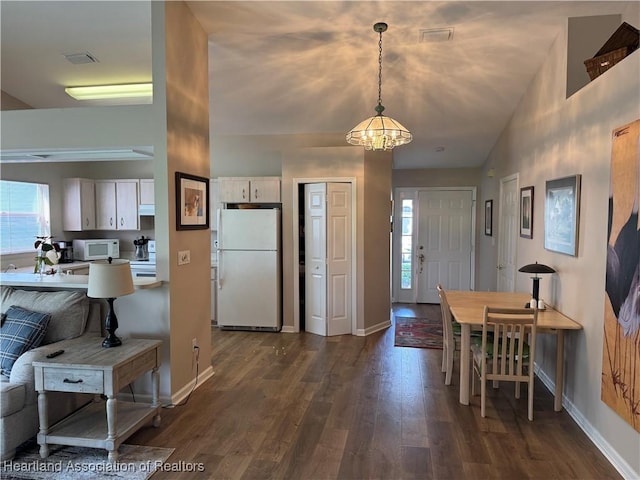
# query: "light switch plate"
[[184, 257]]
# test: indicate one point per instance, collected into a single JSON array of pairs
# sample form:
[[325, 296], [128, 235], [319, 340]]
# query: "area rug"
[[135, 462], [418, 332]]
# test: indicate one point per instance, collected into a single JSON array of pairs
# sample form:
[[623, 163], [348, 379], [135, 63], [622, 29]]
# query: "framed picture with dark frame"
[[562, 215], [488, 217], [192, 202], [526, 212]]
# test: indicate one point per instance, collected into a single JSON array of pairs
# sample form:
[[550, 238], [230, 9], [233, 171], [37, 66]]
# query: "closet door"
[[315, 248], [328, 258]]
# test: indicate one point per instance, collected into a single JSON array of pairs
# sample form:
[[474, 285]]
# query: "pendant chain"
[[380, 70]]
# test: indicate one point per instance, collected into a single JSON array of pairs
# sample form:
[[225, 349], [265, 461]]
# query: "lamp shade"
[[109, 280], [536, 268], [379, 133]]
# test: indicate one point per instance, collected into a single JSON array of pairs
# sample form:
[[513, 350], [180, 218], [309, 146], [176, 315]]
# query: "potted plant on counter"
[[48, 253]]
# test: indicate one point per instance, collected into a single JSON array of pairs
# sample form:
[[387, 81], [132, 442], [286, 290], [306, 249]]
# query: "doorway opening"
[[433, 242], [301, 259]]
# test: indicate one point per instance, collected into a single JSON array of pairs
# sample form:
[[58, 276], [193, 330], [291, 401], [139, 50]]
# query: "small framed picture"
[[488, 217], [526, 212], [562, 215], [192, 202]]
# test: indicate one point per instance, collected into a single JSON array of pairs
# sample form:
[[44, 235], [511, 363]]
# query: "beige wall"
[[314, 164], [550, 137], [376, 239], [187, 127], [437, 177]]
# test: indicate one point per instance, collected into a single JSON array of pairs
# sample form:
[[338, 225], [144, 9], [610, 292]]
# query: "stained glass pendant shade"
[[379, 132]]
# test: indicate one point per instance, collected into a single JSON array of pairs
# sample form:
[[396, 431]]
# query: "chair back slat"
[[511, 329]]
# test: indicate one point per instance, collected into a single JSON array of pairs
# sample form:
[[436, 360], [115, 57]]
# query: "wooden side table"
[[87, 367]]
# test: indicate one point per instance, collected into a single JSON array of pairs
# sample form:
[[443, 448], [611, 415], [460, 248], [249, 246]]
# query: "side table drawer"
[[73, 380]]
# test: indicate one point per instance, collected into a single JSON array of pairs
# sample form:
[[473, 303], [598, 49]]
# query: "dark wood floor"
[[299, 406]]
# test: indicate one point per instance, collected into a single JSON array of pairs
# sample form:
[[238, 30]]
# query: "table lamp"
[[110, 279], [536, 268]]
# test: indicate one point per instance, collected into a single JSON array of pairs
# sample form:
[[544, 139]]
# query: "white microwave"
[[96, 249]]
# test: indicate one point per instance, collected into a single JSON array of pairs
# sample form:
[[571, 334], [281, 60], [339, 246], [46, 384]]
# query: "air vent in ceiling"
[[80, 58], [431, 35]]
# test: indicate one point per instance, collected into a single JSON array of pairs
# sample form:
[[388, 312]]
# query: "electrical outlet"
[[194, 343], [184, 257]]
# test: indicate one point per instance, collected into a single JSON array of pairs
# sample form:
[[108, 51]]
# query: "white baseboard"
[[184, 392], [176, 398], [288, 329], [598, 440], [373, 329]]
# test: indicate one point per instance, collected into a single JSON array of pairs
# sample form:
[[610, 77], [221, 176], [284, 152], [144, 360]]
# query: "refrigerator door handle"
[[220, 269]]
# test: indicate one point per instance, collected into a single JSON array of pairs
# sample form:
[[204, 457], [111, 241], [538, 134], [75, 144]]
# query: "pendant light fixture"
[[379, 132]]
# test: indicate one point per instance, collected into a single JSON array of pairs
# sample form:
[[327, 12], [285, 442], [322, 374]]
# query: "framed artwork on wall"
[[488, 217], [562, 215], [192, 202], [526, 212]]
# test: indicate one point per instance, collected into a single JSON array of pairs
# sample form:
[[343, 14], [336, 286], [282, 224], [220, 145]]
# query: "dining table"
[[467, 308]]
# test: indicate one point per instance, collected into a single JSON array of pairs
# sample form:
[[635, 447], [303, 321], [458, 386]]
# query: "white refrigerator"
[[249, 269]]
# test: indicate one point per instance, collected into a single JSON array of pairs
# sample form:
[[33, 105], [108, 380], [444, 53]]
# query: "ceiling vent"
[[432, 35], [80, 58]]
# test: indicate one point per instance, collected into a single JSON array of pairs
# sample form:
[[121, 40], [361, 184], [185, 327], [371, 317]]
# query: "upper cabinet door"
[[79, 205], [147, 191], [265, 190], [106, 205], [233, 190], [127, 204]]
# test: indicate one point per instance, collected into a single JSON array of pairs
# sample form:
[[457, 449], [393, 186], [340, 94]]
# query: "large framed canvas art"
[[621, 349]]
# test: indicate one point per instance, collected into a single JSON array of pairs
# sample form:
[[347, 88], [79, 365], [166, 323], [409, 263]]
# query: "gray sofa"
[[72, 314]]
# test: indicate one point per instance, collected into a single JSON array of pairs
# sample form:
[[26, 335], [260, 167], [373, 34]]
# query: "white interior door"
[[508, 233], [444, 244], [338, 235], [328, 258], [315, 252]]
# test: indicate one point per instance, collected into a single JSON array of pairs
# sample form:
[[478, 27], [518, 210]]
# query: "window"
[[24, 215], [406, 264]]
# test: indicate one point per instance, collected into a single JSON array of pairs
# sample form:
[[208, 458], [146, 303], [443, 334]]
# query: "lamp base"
[[111, 325], [111, 341]]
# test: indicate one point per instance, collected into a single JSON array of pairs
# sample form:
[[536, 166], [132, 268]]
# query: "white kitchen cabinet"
[[265, 190], [116, 204], [249, 190], [79, 205], [214, 204], [147, 191]]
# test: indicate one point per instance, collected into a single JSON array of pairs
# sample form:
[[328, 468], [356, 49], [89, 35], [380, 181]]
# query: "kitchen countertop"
[[64, 281]]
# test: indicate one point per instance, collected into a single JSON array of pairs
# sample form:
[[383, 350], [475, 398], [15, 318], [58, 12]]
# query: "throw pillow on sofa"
[[69, 310], [22, 330]]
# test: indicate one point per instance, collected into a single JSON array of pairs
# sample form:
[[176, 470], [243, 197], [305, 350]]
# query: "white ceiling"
[[305, 72]]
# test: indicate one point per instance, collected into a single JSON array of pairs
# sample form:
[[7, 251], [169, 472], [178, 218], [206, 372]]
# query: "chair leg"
[[449, 374], [483, 396], [530, 392], [444, 357], [517, 390]]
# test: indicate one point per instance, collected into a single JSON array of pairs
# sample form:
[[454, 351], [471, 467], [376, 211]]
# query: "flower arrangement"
[[47, 253]]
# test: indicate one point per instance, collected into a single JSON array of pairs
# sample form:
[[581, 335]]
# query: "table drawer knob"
[[66, 380]]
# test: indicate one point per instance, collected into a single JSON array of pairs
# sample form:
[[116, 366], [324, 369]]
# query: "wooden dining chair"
[[448, 337], [508, 356]]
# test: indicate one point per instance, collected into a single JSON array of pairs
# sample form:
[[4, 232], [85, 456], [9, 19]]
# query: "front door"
[[434, 243]]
